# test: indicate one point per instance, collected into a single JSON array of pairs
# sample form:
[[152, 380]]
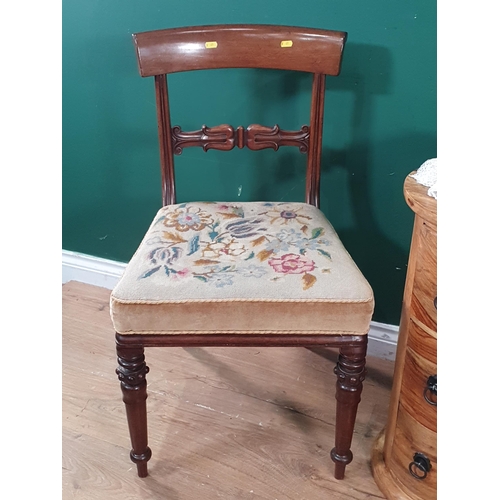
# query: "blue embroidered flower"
[[290, 236], [252, 271], [186, 219], [283, 240], [161, 257], [281, 214], [220, 279], [164, 255], [245, 228], [277, 245], [288, 214], [307, 244]]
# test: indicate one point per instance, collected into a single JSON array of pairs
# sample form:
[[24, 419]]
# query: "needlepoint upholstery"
[[255, 267]]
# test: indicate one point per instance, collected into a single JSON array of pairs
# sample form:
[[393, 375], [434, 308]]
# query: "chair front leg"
[[350, 371], [132, 372]]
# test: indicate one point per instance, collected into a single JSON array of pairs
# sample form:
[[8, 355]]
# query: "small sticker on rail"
[[210, 45], [286, 43]]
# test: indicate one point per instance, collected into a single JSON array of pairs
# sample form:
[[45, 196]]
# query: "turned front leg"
[[132, 372], [350, 371]]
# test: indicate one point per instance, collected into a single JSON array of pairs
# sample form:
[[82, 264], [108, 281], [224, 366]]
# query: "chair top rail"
[[239, 46]]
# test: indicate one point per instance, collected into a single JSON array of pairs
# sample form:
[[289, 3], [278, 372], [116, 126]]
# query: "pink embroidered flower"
[[183, 273], [292, 264]]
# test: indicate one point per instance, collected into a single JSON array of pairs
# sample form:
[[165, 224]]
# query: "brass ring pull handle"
[[430, 391], [420, 466]]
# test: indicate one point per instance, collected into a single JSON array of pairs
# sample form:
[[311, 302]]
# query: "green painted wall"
[[380, 123]]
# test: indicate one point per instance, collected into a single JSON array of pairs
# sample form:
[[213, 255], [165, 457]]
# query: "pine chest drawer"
[[404, 457], [411, 435]]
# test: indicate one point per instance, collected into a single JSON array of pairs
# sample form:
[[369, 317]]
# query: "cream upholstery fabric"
[[241, 268]]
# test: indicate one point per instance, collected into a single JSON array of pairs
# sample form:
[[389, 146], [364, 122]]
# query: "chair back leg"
[[350, 371]]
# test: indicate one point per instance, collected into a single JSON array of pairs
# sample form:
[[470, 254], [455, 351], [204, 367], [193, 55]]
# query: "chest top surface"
[[419, 201]]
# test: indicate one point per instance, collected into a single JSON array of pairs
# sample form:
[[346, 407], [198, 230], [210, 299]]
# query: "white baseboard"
[[91, 270], [382, 338]]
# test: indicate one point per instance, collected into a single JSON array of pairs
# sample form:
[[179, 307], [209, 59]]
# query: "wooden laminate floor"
[[224, 423]]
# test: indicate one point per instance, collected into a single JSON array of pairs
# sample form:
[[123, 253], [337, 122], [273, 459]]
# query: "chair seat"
[[255, 267]]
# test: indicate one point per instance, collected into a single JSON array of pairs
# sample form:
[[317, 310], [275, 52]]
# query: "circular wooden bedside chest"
[[404, 457]]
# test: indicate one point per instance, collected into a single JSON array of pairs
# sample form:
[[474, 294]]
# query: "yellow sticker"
[[210, 45], [286, 43]]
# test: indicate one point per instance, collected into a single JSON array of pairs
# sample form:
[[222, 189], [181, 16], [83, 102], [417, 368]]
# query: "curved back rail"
[[240, 46]]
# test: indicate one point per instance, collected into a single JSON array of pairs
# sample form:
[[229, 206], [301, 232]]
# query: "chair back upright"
[[315, 51]]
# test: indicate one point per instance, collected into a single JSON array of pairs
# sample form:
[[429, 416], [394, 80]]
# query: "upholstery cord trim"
[[239, 332], [188, 301]]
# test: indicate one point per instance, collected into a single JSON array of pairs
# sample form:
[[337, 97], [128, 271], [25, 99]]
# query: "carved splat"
[[221, 137], [225, 138], [260, 137]]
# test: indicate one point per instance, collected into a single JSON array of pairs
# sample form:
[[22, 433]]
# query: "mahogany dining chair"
[[226, 273]]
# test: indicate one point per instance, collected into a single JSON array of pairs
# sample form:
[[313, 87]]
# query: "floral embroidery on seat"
[[295, 264], [187, 218], [281, 216], [252, 271], [246, 228], [219, 245], [291, 264]]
